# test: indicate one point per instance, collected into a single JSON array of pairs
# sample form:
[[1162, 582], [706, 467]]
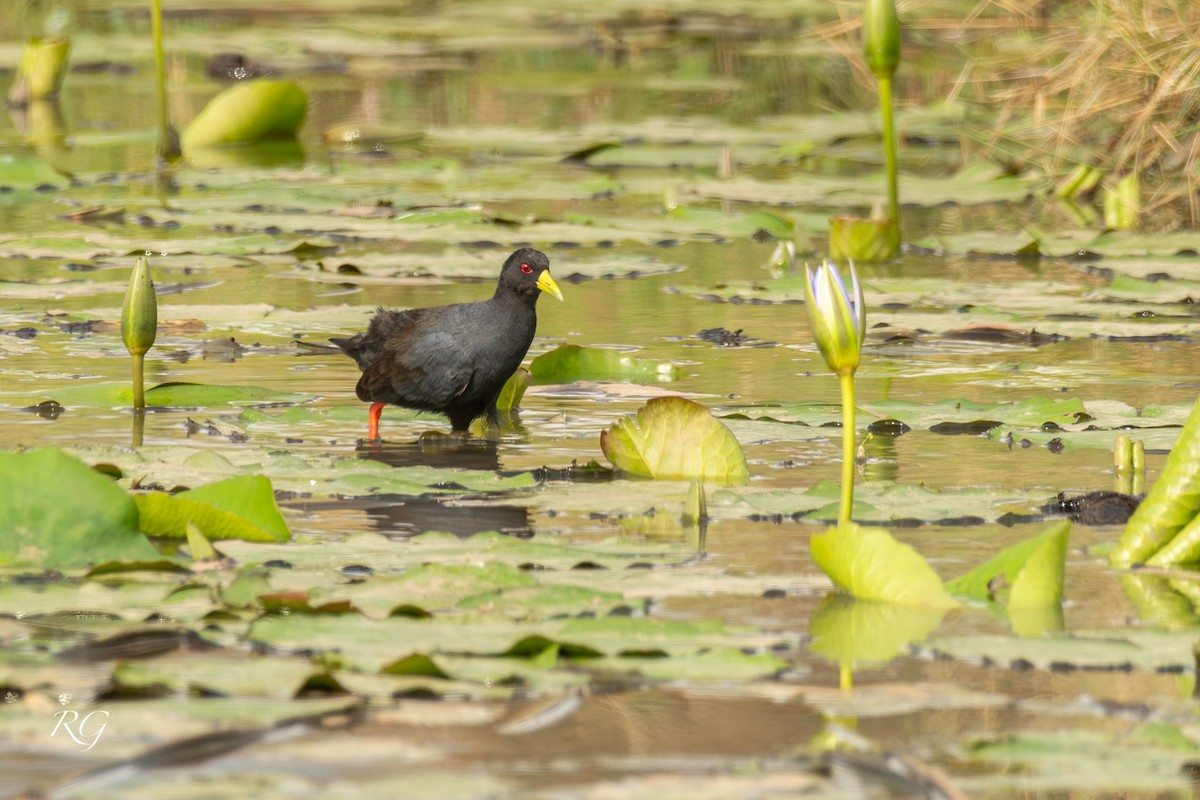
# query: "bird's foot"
[[373, 421]]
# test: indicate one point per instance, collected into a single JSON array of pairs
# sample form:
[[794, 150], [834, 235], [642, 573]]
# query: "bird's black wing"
[[420, 365]]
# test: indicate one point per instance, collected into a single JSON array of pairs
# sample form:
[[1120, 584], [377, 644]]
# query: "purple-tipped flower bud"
[[837, 316]]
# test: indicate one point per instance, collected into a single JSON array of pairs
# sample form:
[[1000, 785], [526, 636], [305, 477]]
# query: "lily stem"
[[889, 147], [166, 150], [139, 387], [847, 381]]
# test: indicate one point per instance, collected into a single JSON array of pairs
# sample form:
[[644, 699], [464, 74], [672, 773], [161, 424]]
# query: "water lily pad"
[[1149, 759], [868, 564], [978, 183], [1091, 649], [1172, 503], [1029, 574], [675, 438], [236, 508], [570, 362], [174, 395], [62, 514], [248, 112], [1030, 412]]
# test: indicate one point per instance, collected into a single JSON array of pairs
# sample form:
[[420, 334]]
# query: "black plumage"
[[452, 359]]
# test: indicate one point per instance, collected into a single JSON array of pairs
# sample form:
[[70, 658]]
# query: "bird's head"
[[527, 272]]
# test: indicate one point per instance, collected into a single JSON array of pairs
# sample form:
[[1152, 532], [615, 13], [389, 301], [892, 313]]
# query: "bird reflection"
[[404, 515], [433, 450]]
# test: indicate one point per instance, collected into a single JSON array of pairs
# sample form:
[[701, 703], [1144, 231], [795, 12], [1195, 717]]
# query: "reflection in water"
[[857, 632], [1037, 621], [882, 463], [41, 123], [401, 515], [408, 516], [438, 452]]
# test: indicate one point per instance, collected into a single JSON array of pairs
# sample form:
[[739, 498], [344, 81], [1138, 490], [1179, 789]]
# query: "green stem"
[[139, 387], [166, 150], [846, 678], [847, 382], [889, 147], [139, 426]]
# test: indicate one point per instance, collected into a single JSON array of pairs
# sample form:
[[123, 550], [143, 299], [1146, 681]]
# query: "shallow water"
[[500, 105]]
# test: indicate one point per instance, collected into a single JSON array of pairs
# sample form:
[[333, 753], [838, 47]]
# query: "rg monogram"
[[82, 730]]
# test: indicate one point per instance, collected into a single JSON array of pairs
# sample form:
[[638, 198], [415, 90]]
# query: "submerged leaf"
[[868, 564], [672, 437]]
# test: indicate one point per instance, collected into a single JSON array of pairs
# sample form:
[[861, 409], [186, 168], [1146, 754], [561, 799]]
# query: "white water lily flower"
[[838, 317]]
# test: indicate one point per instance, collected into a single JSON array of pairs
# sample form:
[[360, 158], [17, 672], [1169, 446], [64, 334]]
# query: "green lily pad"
[[1029, 573], [1122, 649], [27, 171], [675, 438], [977, 183], [173, 395], [1030, 412], [1163, 529], [868, 564], [248, 112], [1152, 759], [236, 508], [570, 362], [513, 390], [60, 514]]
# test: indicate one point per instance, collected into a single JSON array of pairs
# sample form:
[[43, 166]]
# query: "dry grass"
[[1113, 84], [1118, 89]]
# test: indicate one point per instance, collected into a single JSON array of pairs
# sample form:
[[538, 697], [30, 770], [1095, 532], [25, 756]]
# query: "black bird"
[[452, 359]]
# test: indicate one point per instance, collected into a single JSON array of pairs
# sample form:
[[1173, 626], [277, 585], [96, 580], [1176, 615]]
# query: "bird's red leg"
[[373, 421]]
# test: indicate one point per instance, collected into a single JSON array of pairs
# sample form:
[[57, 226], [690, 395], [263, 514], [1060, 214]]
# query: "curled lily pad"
[[868, 564], [513, 391], [1032, 568], [248, 112], [675, 438], [237, 508], [1173, 502]]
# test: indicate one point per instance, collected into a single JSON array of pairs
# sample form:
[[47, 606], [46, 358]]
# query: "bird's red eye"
[[526, 269]]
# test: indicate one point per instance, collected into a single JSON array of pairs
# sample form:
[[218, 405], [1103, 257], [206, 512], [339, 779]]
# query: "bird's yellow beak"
[[547, 285]]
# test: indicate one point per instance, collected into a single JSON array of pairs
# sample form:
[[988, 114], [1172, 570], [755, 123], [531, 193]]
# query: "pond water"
[[651, 244]]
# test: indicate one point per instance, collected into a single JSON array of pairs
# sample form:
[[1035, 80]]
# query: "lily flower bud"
[[881, 37], [837, 316], [139, 314]]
